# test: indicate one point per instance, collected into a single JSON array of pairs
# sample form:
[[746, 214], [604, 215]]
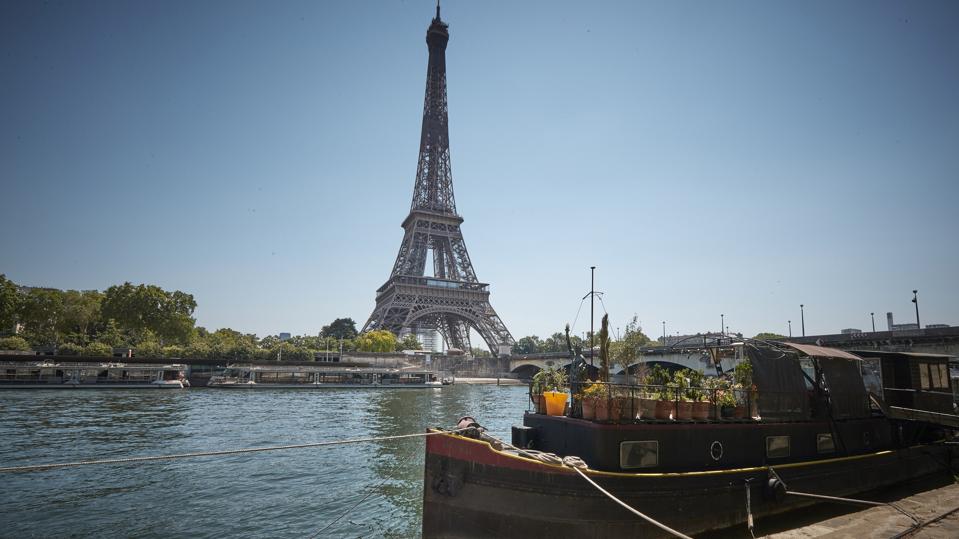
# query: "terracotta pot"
[[647, 409], [664, 409], [739, 412], [631, 407], [589, 409], [602, 409], [701, 410], [684, 410], [540, 404]]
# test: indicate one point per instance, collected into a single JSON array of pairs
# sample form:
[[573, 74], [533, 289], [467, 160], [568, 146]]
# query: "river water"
[[291, 493]]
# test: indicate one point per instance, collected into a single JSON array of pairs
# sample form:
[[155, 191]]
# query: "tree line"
[[154, 322]]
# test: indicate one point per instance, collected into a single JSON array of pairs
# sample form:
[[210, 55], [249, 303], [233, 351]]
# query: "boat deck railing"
[[608, 402]]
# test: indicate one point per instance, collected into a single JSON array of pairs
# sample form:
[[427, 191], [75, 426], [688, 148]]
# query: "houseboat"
[[291, 377], [696, 457], [50, 375]]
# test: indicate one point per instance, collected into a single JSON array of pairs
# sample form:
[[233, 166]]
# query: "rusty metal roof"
[[821, 351]]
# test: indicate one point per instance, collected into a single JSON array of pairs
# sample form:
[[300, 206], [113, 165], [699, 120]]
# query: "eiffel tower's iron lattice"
[[452, 300]]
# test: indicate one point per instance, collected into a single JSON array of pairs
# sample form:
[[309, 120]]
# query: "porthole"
[[716, 450]]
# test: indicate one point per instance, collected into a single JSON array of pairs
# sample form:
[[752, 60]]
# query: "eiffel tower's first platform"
[[451, 300]]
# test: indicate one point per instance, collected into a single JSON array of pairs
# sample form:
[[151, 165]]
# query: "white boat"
[[287, 377], [48, 375]]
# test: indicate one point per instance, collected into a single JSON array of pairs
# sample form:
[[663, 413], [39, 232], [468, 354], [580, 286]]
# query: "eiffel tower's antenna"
[[437, 9]]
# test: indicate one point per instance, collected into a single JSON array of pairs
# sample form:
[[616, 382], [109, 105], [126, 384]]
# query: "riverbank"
[[492, 381]]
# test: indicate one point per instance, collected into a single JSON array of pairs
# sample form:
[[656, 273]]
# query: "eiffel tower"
[[452, 300]]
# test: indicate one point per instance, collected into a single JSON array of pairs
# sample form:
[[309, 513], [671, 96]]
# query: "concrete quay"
[[940, 503]]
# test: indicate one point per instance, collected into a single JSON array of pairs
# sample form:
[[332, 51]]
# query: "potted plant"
[[554, 391], [592, 393], [659, 391], [743, 378], [684, 405], [698, 395], [536, 391], [726, 400]]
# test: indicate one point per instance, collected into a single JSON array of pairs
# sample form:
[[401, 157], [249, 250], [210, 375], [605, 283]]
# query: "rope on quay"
[[578, 465], [852, 501], [127, 460]]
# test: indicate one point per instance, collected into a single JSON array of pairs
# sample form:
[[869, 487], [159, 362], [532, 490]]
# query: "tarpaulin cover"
[[779, 381], [812, 350], [846, 388]]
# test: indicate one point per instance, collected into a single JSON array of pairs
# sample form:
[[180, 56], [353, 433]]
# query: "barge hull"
[[473, 490]]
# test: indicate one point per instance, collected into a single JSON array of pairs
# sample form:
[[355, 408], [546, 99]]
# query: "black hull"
[[473, 490]]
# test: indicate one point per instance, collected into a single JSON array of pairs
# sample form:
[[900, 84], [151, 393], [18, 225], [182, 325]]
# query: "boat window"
[[825, 444], [777, 446], [934, 376], [944, 375], [809, 371], [923, 376], [644, 454], [872, 375]]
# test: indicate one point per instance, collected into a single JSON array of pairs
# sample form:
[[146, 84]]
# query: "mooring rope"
[[578, 465], [127, 460]]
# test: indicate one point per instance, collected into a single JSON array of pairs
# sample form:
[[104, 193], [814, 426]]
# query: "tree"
[[40, 312], [341, 328], [81, 311], [409, 342], [480, 352], [379, 340], [142, 307], [767, 336], [9, 305], [528, 345]]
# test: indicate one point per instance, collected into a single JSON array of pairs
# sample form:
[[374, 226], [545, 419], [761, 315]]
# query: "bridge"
[[929, 340]]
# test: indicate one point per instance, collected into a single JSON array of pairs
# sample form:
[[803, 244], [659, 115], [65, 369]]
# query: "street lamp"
[[664, 333], [790, 322], [873, 316], [915, 299], [802, 318], [722, 323]]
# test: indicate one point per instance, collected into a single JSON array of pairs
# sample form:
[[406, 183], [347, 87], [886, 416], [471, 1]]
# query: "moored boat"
[[50, 375], [289, 377], [810, 426]]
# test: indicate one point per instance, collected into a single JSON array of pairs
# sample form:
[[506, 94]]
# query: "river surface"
[[291, 493]]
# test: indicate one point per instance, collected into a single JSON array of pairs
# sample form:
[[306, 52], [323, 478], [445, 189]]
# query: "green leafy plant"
[[596, 390], [743, 374]]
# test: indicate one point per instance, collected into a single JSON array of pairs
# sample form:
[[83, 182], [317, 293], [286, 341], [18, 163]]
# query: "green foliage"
[[98, 349], [149, 307], [554, 343], [743, 374], [148, 349], [172, 351], [409, 342], [379, 340], [9, 305], [596, 390], [480, 352], [341, 328], [604, 348], [767, 336], [14, 343], [70, 349], [40, 312]]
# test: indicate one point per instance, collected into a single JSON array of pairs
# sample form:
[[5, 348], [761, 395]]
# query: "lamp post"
[[790, 322], [802, 318], [915, 299], [664, 333], [722, 323], [873, 317]]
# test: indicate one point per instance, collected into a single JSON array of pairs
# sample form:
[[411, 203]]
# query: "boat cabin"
[[912, 380]]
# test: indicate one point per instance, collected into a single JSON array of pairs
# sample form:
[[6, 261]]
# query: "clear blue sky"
[[735, 157]]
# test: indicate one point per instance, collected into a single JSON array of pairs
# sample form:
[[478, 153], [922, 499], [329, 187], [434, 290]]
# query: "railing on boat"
[[644, 402]]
